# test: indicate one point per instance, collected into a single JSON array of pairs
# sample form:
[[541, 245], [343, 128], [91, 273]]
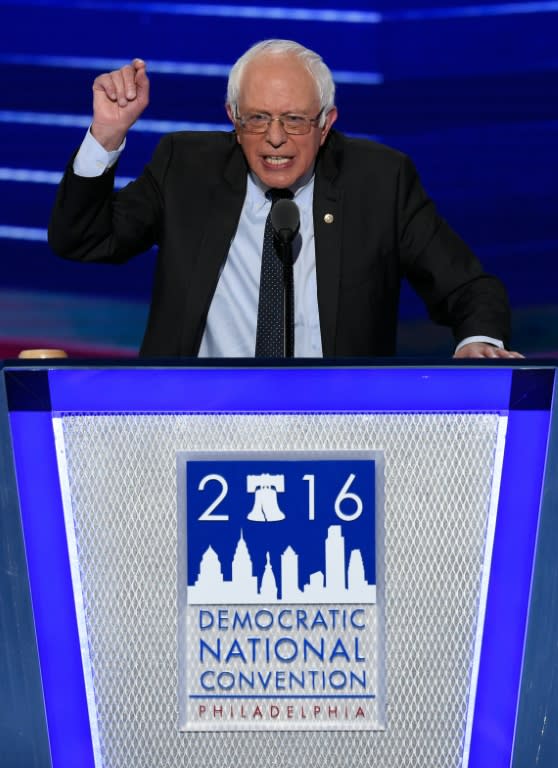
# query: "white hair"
[[313, 62]]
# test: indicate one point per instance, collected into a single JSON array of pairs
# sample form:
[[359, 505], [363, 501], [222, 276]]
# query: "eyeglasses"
[[258, 122]]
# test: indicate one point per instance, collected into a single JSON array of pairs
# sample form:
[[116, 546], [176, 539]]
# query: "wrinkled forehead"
[[280, 81]]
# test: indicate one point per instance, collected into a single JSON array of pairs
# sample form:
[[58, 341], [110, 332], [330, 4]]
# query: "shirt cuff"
[[486, 339], [93, 159]]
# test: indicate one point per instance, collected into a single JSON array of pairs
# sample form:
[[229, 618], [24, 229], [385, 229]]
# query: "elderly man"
[[365, 221]]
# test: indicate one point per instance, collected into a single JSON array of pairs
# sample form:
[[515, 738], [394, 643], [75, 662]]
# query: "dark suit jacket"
[[382, 227]]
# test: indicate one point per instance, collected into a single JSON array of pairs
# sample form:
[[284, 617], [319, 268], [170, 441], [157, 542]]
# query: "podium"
[[334, 564]]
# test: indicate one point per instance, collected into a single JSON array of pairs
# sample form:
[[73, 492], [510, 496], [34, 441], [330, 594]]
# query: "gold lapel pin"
[[328, 218]]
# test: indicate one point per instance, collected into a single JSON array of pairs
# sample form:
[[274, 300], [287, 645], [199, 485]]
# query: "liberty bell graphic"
[[265, 487]]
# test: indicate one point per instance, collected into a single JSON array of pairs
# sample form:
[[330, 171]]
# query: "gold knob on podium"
[[41, 354]]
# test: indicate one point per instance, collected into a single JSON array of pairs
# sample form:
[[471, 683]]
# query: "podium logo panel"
[[278, 590]]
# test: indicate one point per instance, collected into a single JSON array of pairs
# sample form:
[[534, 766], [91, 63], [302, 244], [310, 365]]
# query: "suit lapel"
[[224, 206], [328, 229]]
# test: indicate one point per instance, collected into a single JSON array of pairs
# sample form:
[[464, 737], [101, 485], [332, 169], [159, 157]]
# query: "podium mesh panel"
[[122, 480]]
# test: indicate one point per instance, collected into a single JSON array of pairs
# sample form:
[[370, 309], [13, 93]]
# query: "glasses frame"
[[309, 122]]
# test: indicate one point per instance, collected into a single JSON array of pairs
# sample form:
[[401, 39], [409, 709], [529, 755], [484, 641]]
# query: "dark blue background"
[[469, 91], [305, 536]]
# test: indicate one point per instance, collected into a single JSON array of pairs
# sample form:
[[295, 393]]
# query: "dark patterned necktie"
[[270, 331]]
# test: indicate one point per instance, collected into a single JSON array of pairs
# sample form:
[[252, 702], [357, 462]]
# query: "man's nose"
[[275, 133]]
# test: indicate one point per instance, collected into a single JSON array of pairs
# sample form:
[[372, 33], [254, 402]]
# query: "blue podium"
[[341, 564]]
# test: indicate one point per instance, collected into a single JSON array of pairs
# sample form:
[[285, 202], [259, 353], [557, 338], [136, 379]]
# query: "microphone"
[[285, 220]]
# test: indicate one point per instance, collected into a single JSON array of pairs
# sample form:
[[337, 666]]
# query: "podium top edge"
[[298, 362]]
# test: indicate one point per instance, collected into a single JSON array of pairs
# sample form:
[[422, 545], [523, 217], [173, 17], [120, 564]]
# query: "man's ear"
[[230, 115], [331, 117]]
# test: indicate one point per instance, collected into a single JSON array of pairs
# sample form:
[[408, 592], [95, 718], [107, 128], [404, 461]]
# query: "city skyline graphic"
[[342, 580]]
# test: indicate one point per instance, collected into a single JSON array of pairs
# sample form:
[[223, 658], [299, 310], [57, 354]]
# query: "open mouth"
[[276, 161]]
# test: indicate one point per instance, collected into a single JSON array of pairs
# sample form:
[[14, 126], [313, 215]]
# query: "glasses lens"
[[254, 123], [296, 124]]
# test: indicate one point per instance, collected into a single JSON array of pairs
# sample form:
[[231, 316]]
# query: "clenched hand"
[[119, 98]]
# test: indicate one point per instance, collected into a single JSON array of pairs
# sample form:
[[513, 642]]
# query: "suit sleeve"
[[90, 222], [444, 271]]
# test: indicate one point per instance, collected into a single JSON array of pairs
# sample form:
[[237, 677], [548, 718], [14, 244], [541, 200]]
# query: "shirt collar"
[[256, 189]]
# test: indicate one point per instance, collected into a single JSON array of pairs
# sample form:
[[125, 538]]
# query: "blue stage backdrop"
[[469, 91]]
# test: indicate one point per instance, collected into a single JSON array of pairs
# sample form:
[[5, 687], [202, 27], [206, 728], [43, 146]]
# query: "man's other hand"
[[482, 349]]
